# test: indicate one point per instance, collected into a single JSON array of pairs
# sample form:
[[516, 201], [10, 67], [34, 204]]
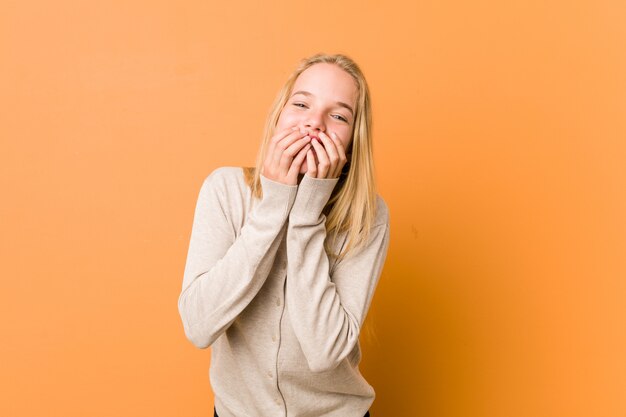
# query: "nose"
[[314, 123]]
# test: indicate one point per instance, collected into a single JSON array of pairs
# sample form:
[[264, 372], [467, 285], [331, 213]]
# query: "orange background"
[[500, 148]]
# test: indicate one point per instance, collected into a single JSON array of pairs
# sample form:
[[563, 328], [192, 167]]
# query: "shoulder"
[[223, 178], [382, 212], [225, 183], [225, 174], [225, 191]]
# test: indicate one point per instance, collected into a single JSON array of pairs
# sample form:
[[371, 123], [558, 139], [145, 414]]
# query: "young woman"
[[284, 258]]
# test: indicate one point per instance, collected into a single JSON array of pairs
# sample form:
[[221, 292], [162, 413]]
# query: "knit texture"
[[282, 320]]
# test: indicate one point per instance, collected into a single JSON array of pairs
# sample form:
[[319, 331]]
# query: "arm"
[[223, 273], [328, 312]]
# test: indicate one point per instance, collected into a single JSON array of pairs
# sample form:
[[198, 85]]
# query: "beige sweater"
[[283, 322]]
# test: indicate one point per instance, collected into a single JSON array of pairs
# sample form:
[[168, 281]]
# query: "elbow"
[[194, 332], [322, 360], [321, 363], [198, 339]]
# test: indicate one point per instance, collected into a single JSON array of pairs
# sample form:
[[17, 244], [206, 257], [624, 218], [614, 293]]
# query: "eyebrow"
[[342, 104]]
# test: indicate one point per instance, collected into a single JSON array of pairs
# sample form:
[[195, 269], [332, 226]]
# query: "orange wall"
[[500, 146]]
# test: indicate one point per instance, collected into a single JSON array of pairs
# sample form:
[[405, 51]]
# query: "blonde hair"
[[352, 205]]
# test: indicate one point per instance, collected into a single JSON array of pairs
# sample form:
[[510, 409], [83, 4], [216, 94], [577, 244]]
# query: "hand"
[[331, 157], [285, 154]]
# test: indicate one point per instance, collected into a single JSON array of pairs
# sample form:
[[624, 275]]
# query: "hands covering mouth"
[[313, 148], [314, 137], [325, 154], [289, 148]]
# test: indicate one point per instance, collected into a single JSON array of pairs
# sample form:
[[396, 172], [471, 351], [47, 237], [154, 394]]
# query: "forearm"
[[328, 311], [223, 273]]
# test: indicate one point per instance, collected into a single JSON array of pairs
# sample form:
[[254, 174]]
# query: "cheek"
[[287, 119]]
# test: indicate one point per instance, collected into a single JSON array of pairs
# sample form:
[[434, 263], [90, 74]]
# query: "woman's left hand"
[[331, 157]]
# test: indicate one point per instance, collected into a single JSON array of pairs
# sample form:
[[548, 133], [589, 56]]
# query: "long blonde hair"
[[352, 205]]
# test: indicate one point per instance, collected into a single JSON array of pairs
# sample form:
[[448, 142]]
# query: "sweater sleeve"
[[223, 273], [328, 311]]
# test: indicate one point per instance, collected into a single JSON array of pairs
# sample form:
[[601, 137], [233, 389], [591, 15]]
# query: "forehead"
[[327, 81]]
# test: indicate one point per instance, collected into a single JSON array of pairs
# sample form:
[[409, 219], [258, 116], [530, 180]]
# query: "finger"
[[311, 170], [291, 152], [322, 158], [278, 136], [283, 144], [271, 146], [294, 170], [290, 139], [343, 158], [333, 154]]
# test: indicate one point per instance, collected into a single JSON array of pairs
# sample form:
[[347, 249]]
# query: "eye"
[[341, 117], [301, 105]]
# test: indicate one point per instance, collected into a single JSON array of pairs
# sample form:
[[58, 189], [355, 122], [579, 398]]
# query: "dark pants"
[[215, 413]]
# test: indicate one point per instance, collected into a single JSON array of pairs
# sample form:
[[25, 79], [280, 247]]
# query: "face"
[[323, 99]]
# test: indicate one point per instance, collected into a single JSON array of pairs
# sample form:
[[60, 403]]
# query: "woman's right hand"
[[285, 154]]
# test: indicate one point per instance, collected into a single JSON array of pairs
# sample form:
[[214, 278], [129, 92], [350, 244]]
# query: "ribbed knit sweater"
[[281, 317]]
